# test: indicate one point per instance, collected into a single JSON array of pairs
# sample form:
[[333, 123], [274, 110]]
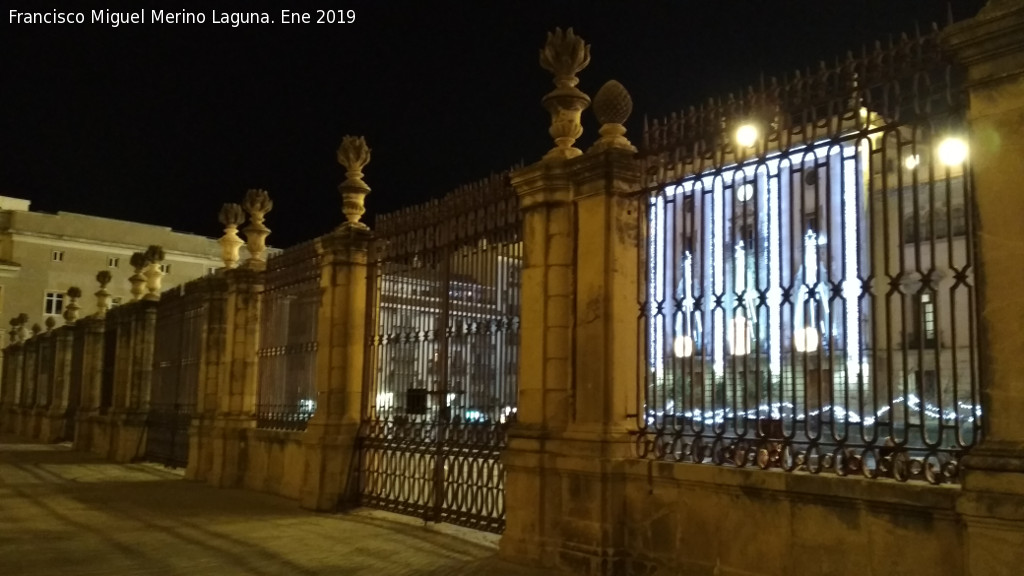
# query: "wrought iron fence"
[[288, 339], [807, 292], [442, 360], [175, 386]]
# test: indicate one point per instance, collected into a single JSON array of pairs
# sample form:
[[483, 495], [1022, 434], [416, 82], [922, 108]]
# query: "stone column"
[[93, 330], [230, 379], [330, 439], [991, 45]]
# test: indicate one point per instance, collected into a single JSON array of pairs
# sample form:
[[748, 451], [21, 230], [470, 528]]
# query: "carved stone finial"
[[612, 106], [102, 295], [231, 216], [50, 322], [71, 308], [36, 329], [354, 155], [257, 203], [564, 55], [138, 263], [154, 255]]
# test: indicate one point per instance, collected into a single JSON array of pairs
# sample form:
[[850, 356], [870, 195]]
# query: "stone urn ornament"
[[102, 295], [231, 217], [154, 255], [50, 323], [138, 280], [257, 203], [354, 155], [71, 308], [565, 55]]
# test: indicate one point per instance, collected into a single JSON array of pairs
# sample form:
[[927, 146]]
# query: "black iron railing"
[[807, 298]]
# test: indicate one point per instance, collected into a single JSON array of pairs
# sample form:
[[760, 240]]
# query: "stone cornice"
[[991, 44], [542, 183], [611, 171]]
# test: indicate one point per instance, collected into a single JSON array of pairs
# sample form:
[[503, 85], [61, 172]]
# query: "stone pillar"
[[93, 330], [991, 45], [329, 442], [60, 379], [212, 358], [578, 362], [230, 378]]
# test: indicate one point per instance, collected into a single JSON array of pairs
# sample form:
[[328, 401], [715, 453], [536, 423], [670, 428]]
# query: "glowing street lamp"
[[952, 151], [746, 135]]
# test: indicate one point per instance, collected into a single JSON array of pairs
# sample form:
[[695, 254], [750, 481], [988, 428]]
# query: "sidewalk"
[[67, 513]]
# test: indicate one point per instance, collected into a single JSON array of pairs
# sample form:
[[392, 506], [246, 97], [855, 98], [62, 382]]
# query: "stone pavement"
[[68, 513]]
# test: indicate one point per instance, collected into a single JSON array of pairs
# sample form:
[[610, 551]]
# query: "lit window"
[[113, 261], [211, 270], [165, 268], [58, 256], [928, 316], [115, 301], [53, 303]]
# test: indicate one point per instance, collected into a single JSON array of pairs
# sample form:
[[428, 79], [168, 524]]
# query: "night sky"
[[163, 123]]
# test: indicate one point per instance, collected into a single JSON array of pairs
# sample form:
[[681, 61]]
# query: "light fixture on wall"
[[912, 161]]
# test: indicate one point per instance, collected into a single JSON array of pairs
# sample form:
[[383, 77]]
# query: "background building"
[[42, 255]]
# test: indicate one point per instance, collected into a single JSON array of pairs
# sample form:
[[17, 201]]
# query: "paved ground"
[[68, 513]]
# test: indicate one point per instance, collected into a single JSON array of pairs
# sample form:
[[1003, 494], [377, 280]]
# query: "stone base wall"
[[274, 462], [688, 518], [637, 517]]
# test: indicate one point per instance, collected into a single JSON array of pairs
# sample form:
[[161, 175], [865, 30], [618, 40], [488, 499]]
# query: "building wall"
[[89, 244]]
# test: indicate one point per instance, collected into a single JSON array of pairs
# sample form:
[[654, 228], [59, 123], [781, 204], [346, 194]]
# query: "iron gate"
[[442, 362], [175, 378]]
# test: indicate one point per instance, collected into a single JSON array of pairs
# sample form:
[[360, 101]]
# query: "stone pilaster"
[[329, 442], [991, 45], [578, 362], [231, 377]]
